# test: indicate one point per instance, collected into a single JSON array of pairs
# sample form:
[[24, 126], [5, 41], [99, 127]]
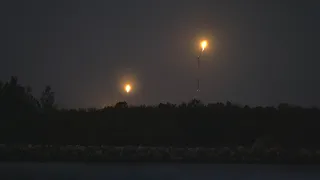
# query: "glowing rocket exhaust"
[[203, 45], [127, 88]]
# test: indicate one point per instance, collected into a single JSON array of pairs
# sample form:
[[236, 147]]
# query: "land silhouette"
[[27, 121]]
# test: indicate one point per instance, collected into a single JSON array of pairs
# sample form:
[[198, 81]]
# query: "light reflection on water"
[[48, 171]]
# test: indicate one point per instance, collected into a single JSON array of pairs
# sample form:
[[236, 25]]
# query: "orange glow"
[[127, 88], [204, 45]]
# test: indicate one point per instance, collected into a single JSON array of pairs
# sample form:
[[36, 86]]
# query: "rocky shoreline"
[[240, 154]]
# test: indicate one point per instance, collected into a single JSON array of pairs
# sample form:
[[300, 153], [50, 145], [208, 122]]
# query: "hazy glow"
[[204, 45], [127, 88]]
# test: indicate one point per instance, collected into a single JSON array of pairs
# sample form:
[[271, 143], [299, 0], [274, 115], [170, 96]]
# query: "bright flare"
[[203, 45], [127, 88]]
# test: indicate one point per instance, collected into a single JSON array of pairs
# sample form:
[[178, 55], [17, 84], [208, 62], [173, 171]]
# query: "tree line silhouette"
[[28, 120]]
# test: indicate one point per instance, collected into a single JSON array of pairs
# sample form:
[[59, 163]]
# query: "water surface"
[[121, 171]]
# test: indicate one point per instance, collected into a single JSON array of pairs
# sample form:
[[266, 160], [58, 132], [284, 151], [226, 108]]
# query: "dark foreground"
[[125, 171], [102, 154]]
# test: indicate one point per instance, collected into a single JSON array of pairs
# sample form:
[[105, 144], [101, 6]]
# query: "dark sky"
[[260, 52]]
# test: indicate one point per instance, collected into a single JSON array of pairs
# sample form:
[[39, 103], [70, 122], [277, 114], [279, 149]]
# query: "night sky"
[[259, 53]]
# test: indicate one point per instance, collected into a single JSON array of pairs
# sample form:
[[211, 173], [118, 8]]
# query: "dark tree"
[[121, 105], [47, 99], [195, 103], [166, 124], [1, 85]]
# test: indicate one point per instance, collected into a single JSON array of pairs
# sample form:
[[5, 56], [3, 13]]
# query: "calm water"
[[60, 171]]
